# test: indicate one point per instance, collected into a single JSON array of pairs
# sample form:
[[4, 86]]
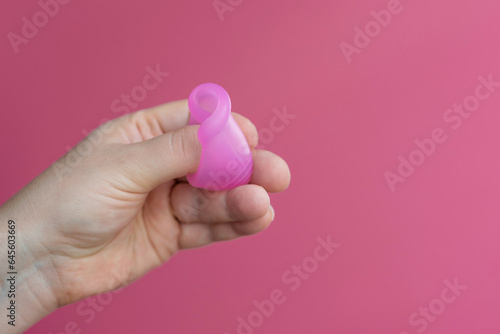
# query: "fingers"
[[270, 171], [171, 116], [161, 159], [146, 124], [177, 153], [198, 235], [149, 123], [175, 115], [167, 117], [244, 203], [163, 148]]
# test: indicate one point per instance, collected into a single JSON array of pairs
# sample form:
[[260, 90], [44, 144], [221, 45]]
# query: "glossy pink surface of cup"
[[226, 159]]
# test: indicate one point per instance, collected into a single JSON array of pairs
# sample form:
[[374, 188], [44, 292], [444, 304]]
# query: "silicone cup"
[[226, 159]]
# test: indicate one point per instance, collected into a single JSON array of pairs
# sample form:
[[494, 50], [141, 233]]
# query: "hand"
[[118, 204]]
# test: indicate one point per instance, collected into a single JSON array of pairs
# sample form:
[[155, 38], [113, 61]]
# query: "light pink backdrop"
[[352, 122]]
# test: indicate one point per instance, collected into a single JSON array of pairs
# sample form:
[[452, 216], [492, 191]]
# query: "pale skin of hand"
[[126, 208]]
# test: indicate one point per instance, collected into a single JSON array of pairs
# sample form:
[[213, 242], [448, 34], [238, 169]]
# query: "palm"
[[143, 235]]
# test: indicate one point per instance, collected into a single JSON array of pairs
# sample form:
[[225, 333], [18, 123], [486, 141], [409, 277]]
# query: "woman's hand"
[[118, 205]]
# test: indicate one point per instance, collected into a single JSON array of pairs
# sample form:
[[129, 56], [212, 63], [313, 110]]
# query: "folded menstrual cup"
[[226, 160]]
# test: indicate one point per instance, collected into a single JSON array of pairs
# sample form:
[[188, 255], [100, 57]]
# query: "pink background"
[[352, 121]]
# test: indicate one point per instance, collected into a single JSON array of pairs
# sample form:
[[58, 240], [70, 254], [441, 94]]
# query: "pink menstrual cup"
[[226, 160]]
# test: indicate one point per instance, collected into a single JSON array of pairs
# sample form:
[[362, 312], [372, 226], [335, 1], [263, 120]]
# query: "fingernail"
[[272, 212]]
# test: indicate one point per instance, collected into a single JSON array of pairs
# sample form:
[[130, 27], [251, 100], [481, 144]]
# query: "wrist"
[[26, 270]]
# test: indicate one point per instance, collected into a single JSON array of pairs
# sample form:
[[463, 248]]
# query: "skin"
[[125, 208]]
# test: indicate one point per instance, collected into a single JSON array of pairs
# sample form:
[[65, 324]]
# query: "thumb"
[[163, 158]]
